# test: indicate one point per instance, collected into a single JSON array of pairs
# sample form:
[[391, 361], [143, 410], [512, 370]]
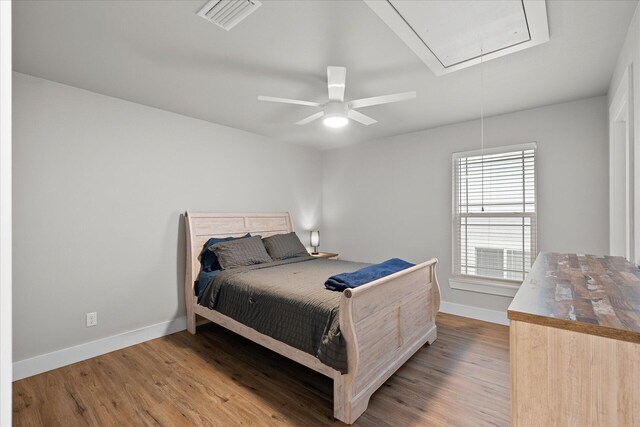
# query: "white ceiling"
[[161, 54]]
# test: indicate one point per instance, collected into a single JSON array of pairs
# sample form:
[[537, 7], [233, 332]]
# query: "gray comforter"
[[286, 300]]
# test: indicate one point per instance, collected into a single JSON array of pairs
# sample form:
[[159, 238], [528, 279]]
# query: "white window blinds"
[[494, 209]]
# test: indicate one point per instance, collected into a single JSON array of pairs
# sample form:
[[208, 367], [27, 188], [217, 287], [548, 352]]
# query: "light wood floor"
[[218, 378]]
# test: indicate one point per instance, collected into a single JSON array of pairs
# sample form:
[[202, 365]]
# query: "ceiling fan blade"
[[359, 117], [336, 78], [311, 118], [384, 99], [289, 101]]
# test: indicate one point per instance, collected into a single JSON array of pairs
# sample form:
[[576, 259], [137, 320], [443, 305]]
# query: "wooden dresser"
[[575, 343]]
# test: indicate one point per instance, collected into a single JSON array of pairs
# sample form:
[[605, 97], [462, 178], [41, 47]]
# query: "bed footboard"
[[384, 323]]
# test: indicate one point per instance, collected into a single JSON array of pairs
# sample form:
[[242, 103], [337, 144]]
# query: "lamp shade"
[[315, 238]]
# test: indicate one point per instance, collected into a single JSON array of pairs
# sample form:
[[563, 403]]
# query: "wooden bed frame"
[[383, 322]]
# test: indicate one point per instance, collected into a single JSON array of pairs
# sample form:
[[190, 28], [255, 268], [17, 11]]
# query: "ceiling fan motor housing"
[[336, 109]]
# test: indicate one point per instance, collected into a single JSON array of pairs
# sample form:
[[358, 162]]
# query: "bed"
[[382, 323]]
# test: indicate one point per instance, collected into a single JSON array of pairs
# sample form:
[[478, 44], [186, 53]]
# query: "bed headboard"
[[201, 226]]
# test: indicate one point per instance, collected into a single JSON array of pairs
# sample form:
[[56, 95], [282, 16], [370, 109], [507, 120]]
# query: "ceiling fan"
[[337, 111]]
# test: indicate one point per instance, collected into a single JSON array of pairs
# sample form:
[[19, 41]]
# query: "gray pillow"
[[283, 246], [241, 252]]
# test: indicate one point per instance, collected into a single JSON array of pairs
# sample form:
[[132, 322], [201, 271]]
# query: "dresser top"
[[584, 293]]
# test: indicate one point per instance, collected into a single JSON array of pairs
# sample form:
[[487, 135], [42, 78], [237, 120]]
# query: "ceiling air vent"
[[228, 13]]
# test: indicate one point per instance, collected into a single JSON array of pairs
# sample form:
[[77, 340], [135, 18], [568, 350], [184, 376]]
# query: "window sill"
[[484, 286]]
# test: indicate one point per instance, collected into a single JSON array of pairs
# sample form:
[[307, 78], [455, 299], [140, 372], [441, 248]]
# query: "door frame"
[[5, 216], [621, 132]]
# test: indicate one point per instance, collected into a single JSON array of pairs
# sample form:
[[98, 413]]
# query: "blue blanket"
[[342, 281], [204, 278]]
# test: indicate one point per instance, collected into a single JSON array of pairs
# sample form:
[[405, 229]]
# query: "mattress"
[[287, 301]]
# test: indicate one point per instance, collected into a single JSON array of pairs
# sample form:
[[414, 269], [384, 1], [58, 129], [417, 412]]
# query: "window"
[[494, 212]]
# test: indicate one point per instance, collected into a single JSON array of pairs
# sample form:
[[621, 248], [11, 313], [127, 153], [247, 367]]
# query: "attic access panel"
[[450, 35]]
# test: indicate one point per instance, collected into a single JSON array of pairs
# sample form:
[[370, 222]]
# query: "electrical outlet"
[[92, 319]]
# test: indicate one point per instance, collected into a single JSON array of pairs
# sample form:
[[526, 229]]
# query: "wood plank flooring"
[[217, 378]]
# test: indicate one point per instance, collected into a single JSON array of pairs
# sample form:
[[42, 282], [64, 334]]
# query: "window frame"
[[484, 284]]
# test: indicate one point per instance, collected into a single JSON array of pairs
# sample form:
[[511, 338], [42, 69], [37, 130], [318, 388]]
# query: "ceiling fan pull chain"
[[482, 128]]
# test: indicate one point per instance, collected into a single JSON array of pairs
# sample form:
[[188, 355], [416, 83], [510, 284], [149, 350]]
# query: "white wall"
[[100, 183], [392, 197], [630, 55], [99, 188]]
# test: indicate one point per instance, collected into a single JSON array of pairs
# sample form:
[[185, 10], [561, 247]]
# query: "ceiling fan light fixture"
[[335, 121], [335, 114]]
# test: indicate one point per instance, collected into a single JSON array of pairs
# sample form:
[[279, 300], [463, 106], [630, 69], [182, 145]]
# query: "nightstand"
[[328, 255]]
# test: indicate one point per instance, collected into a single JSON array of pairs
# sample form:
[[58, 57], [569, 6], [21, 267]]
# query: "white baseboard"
[[67, 356], [478, 313], [56, 359]]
